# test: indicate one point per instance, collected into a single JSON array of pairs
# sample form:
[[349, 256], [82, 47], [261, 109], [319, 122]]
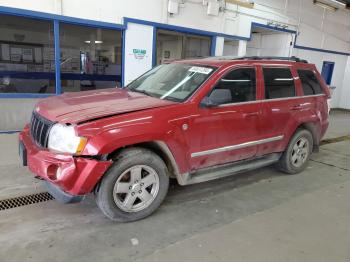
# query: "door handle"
[[296, 107], [251, 114]]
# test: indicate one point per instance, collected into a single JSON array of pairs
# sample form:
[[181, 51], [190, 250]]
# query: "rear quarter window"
[[279, 83], [309, 82]]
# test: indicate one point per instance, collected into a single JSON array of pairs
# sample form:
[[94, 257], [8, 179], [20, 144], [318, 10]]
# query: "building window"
[[90, 58], [27, 62], [197, 46], [173, 45]]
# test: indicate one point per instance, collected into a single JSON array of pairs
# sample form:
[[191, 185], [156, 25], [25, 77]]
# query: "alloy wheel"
[[136, 188], [300, 152]]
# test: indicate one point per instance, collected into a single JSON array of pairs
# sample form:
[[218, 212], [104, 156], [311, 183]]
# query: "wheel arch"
[[158, 147], [312, 128]]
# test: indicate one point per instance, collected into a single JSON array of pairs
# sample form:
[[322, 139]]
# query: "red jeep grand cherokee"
[[193, 120]]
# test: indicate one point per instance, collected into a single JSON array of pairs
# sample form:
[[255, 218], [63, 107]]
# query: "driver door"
[[226, 127]]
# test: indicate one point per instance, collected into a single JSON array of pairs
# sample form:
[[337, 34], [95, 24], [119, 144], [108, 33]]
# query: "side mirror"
[[206, 102]]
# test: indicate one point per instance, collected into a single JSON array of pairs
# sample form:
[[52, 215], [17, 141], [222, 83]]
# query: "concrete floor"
[[262, 215]]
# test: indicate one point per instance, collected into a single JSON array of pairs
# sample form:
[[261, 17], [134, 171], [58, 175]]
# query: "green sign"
[[139, 53]]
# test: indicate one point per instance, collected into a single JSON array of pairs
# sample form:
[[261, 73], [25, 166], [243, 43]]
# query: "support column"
[[242, 48]]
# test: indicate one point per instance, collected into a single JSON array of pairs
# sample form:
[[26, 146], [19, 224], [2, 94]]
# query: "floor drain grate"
[[25, 200]]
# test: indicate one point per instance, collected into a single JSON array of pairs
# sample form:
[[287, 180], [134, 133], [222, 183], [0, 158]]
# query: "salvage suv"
[[193, 120]]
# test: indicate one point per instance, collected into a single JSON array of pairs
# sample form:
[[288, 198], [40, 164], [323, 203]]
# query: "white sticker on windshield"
[[201, 70]]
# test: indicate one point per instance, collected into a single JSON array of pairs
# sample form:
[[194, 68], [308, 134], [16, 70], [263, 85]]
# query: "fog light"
[[59, 173]]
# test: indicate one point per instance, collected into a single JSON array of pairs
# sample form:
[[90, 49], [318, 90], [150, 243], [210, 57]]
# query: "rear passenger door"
[[280, 107]]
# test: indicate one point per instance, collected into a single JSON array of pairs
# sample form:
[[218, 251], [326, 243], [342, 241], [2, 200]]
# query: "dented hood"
[[82, 106]]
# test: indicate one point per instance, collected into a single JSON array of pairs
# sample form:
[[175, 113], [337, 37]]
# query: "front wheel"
[[134, 186], [295, 158]]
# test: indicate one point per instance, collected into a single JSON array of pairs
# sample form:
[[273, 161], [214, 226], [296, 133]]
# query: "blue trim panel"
[[9, 132], [60, 18], [213, 45], [123, 59], [154, 47], [56, 30]]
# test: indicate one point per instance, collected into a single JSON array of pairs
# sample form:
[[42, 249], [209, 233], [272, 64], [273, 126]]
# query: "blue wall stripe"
[[269, 27], [321, 50], [168, 27]]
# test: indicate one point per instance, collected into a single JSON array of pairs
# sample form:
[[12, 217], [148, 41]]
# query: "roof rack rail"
[[292, 58]]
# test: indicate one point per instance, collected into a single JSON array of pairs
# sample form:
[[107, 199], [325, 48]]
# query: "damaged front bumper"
[[68, 178]]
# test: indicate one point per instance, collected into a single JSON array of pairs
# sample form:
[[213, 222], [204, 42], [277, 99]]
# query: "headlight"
[[62, 138]]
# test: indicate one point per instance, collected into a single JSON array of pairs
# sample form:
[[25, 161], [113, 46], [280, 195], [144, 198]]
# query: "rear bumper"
[[79, 174]]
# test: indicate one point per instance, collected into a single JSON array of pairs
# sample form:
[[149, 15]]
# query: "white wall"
[[318, 28], [231, 48], [344, 94]]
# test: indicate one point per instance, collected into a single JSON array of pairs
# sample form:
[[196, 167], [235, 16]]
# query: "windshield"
[[174, 82]]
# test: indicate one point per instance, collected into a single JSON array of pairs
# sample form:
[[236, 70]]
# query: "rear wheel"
[[297, 154], [134, 187]]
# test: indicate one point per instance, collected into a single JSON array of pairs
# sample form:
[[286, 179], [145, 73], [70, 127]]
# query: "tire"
[[125, 193], [295, 159]]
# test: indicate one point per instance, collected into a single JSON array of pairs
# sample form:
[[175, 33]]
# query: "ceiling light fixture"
[[243, 3], [96, 42], [338, 3], [325, 6]]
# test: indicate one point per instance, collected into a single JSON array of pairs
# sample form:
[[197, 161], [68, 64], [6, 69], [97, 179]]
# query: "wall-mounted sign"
[[139, 53], [138, 60]]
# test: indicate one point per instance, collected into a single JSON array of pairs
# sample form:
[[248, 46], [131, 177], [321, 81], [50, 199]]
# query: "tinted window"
[[90, 58], [310, 84], [279, 83], [237, 86], [26, 56]]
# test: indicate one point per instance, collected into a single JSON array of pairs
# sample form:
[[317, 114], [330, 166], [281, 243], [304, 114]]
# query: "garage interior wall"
[[318, 29]]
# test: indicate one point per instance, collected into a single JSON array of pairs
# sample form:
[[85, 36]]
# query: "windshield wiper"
[[142, 92]]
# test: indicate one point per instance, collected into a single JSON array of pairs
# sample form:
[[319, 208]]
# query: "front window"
[[174, 82], [238, 86]]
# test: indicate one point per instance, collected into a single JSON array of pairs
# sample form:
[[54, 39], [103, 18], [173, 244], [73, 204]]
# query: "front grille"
[[40, 129]]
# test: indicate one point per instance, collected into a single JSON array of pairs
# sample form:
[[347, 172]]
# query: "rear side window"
[[310, 83], [279, 83], [237, 86]]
